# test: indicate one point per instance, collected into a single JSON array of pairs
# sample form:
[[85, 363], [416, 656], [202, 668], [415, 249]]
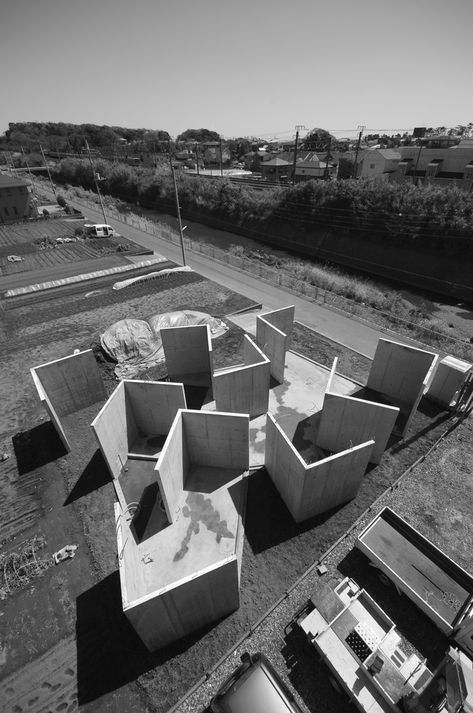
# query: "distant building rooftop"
[[10, 182]]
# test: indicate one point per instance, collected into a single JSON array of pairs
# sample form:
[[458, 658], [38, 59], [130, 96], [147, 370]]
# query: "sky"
[[238, 67]]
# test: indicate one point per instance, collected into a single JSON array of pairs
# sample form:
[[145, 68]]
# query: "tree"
[[317, 140], [200, 135]]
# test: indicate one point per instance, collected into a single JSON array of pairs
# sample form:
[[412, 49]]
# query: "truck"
[[368, 655], [416, 567]]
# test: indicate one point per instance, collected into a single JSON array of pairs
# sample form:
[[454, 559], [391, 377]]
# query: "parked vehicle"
[[375, 664], [254, 687], [433, 581], [100, 230]]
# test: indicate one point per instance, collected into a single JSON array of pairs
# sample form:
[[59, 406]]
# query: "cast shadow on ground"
[[36, 447], [422, 633], [268, 522], [93, 477], [109, 652], [309, 676]]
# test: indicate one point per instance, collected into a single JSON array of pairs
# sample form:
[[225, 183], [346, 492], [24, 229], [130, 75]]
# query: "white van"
[[100, 230]]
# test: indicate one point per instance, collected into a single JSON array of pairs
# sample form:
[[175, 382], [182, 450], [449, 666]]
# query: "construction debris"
[[19, 568]]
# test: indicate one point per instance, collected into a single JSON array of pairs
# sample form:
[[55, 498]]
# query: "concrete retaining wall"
[[215, 441]]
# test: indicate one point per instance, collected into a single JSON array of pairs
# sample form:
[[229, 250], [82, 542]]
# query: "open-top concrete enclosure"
[[131, 429], [68, 385], [273, 336], [188, 354], [448, 379], [185, 572], [345, 420], [245, 388], [311, 489], [402, 374]]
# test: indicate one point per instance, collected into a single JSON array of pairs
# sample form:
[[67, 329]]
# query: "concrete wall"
[[399, 370], [154, 404], [273, 343], [345, 421], [168, 616], [310, 490], [115, 428], [71, 383], [216, 441], [55, 420], [244, 389], [188, 353], [172, 466], [282, 319]]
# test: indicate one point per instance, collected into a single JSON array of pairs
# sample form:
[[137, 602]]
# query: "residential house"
[[276, 169], [378, 164], [15, 198]]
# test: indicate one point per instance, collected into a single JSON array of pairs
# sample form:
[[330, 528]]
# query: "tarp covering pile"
[[135, 344]]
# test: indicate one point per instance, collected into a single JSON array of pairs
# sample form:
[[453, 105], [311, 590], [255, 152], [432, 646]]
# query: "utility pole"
[[96, 182], [178, 208], [197, 157], [416, 180], [29, 170], [327, 172], [360, 129], [221, 158], [49, 173], [299, 127]]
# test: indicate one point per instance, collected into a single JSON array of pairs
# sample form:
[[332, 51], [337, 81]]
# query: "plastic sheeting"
[[135, 344]]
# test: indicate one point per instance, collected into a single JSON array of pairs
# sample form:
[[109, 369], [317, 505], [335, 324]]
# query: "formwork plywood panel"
[[216, 441], [171, 468], [399, 371], [273, 343], [346, 421], [155, 404], [282, 319], [333, 481], [72, 383], [187, 350], [187, 607], [284, 465], [115, 429]]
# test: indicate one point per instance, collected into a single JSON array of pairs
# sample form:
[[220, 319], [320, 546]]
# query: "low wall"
[[273, 342], [114, 428], [188, 352], [215, 441]]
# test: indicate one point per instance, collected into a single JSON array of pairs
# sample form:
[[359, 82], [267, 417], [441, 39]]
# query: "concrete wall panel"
[[244, 389], [72, 383], [172, 466], [55, 420], [284, 465], [448, 379], [188, 351], [273, 343], [399, 371], [345, 421], [217, 442], [115, 429], [183, 609], [155, 404], [282, 319], [333, 481]]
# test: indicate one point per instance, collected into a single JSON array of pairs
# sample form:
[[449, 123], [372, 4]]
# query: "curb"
[[40, 286]]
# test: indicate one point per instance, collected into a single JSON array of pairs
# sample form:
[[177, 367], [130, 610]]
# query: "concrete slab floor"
[[203, 533], [295, 404]]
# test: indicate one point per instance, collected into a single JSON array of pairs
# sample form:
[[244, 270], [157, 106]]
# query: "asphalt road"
[[330, 323]]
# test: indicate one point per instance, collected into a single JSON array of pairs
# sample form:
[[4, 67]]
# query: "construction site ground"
[[64, 642]]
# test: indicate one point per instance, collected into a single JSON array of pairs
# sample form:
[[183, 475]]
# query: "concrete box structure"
[[67, 385], [132, 426], [311, 489], [188, 354], [186, 572], [448, 379], [244, 389], [273, 336], [403, 374]]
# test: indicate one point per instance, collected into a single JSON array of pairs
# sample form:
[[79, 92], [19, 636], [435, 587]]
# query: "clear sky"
[[239, 67]]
